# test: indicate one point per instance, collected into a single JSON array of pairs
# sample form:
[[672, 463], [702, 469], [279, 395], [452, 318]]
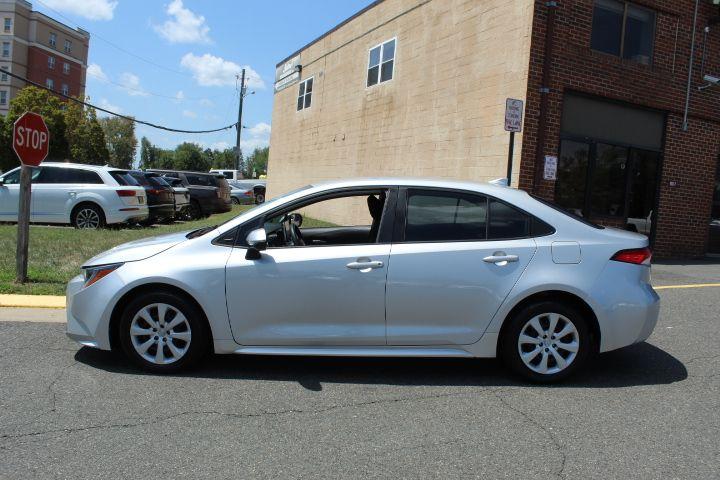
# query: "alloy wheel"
[[548, 343], [87, 218], [160, 333]]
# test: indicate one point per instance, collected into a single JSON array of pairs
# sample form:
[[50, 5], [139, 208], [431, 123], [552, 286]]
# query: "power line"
[[127, 52], [132, 119]]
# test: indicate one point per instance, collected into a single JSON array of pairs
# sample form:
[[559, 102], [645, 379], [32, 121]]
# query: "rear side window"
[[202, 180], [507, 222], [445, 216]]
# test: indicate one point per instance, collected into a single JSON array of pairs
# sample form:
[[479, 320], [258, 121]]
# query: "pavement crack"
[[556, 443], [290, 411]]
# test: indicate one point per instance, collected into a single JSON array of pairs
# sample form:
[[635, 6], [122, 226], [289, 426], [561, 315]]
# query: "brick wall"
[[661, 85]]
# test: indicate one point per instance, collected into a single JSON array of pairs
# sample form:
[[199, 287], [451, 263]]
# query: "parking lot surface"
[[646, 411]]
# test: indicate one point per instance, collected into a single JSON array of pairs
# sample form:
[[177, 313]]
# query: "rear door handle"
[[500, 258], [365, 265]]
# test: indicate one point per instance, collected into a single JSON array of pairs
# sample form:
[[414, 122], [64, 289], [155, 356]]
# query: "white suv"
[[86, 196]]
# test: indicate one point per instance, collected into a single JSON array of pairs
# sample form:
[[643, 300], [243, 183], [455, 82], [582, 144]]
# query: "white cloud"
[[261, 129], [206, 103], [131, 84], [95, 71], [212, 71], [179, 96], [219, 145], [258, 136], [104, 103], [184, 26], [189, 114], [90, 9]]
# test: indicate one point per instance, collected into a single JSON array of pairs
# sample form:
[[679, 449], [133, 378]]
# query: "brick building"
[[42, 50], [621, 120]]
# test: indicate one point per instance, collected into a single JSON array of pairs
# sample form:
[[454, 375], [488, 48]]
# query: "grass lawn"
[[56, 252]]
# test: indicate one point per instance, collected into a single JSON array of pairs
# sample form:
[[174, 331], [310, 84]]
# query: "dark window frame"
[[304, 95], [623, 32]]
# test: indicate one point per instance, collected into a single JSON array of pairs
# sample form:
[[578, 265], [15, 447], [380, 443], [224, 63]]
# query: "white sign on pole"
[[550, 171], [513, 115]]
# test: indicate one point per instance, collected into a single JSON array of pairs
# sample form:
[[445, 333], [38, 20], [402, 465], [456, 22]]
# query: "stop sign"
[[31, 139]]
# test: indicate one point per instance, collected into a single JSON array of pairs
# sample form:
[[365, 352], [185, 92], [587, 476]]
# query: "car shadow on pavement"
[[641, 364]]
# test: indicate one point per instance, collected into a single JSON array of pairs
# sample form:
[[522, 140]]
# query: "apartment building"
[[621, 119], [41, 49]]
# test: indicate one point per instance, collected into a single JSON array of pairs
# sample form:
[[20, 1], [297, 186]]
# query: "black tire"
[[510, 342], [260, 198], [235, 201], [195, 348], [194, 212], [87, 216]]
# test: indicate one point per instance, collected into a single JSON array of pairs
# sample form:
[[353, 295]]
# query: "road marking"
[[691, 285]]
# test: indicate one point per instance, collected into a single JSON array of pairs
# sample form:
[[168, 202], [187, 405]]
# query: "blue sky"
[[189, 52]]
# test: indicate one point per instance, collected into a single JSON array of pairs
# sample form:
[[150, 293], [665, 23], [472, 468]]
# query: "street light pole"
[[239, 122]]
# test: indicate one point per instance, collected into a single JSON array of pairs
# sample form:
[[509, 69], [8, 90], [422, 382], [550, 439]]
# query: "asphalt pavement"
[[646, 411]]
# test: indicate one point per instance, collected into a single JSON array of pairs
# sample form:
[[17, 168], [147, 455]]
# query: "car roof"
[[103, 168], [181, 171]]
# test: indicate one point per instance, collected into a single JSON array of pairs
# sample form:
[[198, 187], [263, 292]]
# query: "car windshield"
[[124, 178]]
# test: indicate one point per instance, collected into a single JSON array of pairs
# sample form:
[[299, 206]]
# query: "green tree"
[[121, 141], [256, 163], [224, 158], [148, 154], [32, 99], [84, 135], [189, 156]]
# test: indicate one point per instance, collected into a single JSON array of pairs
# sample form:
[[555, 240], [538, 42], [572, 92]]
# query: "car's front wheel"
[[163, 332], [546, 341]]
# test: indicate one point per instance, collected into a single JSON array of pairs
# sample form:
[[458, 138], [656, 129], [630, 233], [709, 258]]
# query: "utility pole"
[[239, 124]]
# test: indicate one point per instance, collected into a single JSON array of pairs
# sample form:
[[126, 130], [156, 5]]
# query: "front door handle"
[[500, 258], [365, 265]]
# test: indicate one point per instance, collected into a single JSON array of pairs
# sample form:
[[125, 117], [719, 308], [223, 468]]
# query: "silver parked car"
[[85, 196], [381, 267]]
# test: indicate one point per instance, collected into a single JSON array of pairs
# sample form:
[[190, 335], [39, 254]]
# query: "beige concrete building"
[[404, 87], [41, 49]]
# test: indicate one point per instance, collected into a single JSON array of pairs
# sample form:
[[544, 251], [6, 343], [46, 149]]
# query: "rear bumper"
[[128, 214], [166, 210], [221, 205]]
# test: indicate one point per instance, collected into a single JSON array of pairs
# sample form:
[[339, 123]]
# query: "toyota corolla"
[[375, 267]]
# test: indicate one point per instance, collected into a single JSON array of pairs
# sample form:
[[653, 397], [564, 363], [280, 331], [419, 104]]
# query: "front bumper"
[[88, 315]]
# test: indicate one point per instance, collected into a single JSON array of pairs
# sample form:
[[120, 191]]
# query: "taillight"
[[637, 256], [154, 191], [219, 192], [126, 193], [248, 193]]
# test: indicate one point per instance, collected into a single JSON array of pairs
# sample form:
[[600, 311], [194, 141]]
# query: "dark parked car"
[[209, 192], [160, 196]]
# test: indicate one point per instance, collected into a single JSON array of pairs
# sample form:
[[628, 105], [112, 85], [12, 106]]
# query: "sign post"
[[31, 140], [513, 123]]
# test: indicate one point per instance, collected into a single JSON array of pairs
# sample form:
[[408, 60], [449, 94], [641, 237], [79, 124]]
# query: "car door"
[[51, 192], [458, 257], [9, 196], [319, 294]]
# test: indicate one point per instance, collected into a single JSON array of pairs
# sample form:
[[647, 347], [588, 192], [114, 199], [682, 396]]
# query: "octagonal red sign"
[[31, 139]]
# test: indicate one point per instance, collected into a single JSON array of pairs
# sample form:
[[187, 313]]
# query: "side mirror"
[[257, 241]]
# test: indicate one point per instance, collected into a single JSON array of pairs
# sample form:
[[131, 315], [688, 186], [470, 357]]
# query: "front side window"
[[434, 216], [305, 94], [52, 40], [51, 62], [624, 30], [381, 63]]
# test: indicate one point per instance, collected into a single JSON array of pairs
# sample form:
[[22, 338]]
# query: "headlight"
[[93, 274]]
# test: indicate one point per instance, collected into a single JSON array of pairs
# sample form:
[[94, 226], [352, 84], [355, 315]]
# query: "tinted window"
[[203, 180], [67, 175], [507, 221], [12, 178], [140, 178], [157, 181], [444, 216], [124, 178], [84, 176]]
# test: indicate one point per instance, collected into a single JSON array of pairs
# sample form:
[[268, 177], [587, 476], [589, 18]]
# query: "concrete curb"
[[32, 301]]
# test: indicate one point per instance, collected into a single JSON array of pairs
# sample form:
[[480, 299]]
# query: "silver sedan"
[[379, 267]]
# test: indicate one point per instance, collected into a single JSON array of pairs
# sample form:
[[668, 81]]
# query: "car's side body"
[[426, 299], [241, 193], [58, 188]]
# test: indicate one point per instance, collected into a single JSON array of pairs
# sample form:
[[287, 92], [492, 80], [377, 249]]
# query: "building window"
[[381, 62], [624, 30], [4, 75], [65, 90], [305, 94], [66, 68], [7, 28], [50, 83], [52, 41], [68, 46], [3, 97], [51, 62], [6, 49]]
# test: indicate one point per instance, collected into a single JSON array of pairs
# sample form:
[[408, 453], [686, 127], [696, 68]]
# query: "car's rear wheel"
[[163, 332], [88, 216], [546, 342], [194, 212], [260, 198], [235, 201]]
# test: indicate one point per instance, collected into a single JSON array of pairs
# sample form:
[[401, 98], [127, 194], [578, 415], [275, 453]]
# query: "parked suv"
[[209, 192], [160, 195], [86, 196]]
